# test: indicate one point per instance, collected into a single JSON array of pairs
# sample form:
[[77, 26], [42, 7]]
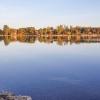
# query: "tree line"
[[59, 30]]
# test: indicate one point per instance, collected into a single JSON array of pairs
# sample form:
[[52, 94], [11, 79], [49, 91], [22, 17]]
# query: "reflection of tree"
[[1, 38], [7, 40], [60, 40]]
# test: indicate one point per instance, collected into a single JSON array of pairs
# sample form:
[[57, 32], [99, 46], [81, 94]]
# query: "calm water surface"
[[51, 72]]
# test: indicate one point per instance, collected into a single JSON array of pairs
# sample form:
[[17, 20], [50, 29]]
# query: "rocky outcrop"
[[11, 96]]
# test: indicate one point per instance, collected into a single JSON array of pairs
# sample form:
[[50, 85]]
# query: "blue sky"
[[41, 13]]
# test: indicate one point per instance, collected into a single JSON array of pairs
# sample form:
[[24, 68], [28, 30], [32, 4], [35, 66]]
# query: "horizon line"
[[53, 26]]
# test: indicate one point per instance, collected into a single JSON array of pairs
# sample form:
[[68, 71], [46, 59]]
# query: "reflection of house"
[[78, 38]]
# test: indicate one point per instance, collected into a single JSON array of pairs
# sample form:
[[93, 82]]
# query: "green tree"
[[6, 29]]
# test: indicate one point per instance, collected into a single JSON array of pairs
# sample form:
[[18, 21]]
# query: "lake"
[[50, 70]]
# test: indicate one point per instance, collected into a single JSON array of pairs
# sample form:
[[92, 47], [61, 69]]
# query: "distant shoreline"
[[60, 30], [94, 35]]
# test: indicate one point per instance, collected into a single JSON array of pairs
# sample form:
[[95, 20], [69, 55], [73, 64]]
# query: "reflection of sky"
[[49, 12], [26, 50], [22, 54], [42, 69]]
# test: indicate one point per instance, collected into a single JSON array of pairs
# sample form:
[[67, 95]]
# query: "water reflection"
[[60, 40], [51, 72]]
